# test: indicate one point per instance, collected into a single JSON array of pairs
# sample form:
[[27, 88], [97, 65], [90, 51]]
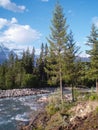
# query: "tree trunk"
[[72, 89], [61, 87], [96, 85]]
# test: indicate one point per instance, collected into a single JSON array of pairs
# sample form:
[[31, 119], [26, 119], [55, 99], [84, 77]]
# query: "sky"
[[26, 23]]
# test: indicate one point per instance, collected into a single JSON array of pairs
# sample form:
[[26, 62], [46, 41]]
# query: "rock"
[[21, 92], [43, 99]]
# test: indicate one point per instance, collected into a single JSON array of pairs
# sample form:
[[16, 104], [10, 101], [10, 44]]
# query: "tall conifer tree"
[[71, 65], [41, 63], [57, 41], [93, 52]]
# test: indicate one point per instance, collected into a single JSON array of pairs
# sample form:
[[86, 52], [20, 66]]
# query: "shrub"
[[93, 96], [30, 80], [77, 94], [86, 96], [96, 110], [55, 104], [52, 109]]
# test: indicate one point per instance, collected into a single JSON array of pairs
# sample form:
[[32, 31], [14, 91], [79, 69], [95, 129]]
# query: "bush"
[[30, 80], [94, 96], [77, 94], [91, 96], [56, 105], [86, 96], [52, 109], [96, 111]]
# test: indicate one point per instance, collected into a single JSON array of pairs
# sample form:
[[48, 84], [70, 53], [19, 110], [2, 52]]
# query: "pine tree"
[[57, 41], [33, 60], [3, 69], [45, 61], [71, 64], [93, 52], [41, 63], [27, 61]]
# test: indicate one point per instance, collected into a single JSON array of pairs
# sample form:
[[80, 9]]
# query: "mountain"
[[4, 53], [83, 59]]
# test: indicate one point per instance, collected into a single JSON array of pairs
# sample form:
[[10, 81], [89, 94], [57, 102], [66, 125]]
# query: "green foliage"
[[41, 63], [57, 105], [54, 103], [52, 109], [29, 81], [86, 96], [66, 106], [20, 73], [10, 79], [96, 110], [71, 67], [56, 65], [57, 40], [77, 94], [93, 96], [54, 122], [93, 52]]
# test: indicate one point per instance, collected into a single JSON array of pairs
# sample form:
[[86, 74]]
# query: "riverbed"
[[15, 111]]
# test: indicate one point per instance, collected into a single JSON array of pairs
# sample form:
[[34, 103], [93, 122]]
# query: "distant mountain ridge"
[[83, 59], [4, 53]]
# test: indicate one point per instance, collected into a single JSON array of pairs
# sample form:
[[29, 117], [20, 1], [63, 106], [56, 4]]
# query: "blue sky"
[[25, 23]]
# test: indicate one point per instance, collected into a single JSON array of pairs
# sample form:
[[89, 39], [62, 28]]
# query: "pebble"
[[21, 92]]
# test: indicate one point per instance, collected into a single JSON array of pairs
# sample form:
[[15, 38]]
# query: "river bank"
[[81, 116], [22, 92]]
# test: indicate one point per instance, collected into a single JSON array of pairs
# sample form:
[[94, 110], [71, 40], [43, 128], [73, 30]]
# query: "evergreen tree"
[[19, 73], [57, 40], [93, 52], [27, 61], [33, 60], [41, 63], [71, 64], [45, 61], [11, 60], [3, 69], [46, 50]]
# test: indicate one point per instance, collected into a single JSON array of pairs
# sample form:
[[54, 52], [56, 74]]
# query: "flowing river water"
[[14, 111]]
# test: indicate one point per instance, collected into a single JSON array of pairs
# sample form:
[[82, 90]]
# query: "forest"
[[57, 65]]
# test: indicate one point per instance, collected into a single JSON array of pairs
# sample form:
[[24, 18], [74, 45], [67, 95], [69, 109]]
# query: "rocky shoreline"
[[22, 92]]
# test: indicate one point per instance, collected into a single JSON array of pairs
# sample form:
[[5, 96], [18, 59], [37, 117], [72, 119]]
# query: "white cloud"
[[16, 35], [20, 33], [14, 20], [83, 54], [7, 4], [3, 22], [95, 21]]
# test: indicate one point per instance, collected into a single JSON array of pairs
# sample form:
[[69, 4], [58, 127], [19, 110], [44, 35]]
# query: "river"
[[14, 111]]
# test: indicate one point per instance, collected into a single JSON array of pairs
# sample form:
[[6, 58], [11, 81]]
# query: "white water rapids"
[[16, 110]]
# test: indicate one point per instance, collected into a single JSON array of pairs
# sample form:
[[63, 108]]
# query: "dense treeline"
[[30, 71], [58, 63], [27, 71]]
